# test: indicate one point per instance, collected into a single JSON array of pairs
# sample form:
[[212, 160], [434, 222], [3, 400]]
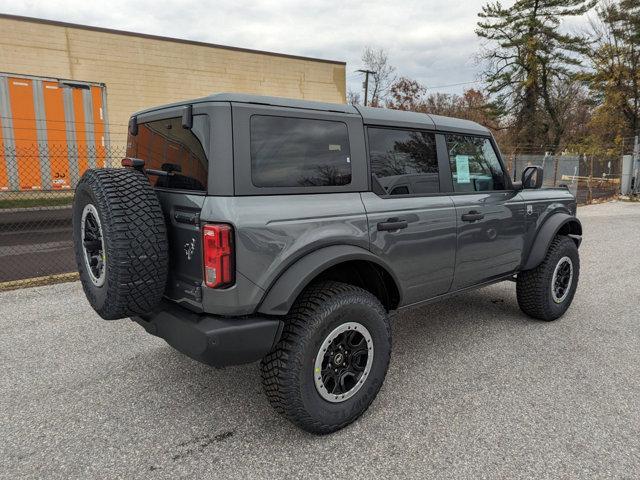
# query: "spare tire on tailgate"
[[120, 242]]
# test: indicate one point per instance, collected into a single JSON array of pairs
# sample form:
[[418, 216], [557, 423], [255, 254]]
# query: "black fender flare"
[[547, 232], [286, 288]]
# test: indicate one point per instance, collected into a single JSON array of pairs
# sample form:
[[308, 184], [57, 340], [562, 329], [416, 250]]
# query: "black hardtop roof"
[[401, 118], [370, 115]]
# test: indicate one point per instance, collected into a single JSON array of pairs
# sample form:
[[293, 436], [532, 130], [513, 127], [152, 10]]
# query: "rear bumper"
[[216, 341]]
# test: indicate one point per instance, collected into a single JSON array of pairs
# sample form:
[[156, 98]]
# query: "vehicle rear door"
[[179, 157], [489, 212], [412, 228]]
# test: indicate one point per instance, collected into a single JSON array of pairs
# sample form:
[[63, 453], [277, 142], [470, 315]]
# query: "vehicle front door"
[[489, 212], [412, 225]]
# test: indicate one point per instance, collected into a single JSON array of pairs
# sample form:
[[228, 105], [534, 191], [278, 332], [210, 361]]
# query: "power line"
[[352, 76], [454, 84]]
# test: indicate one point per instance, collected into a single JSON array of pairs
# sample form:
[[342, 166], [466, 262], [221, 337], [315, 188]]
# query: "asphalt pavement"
[[475, 389], [35, 242]]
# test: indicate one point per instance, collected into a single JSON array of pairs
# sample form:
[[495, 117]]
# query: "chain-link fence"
[[590, 178], [37, 184], [36, 193]]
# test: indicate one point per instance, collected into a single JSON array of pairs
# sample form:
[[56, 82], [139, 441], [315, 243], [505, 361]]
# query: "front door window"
[[474, 164]]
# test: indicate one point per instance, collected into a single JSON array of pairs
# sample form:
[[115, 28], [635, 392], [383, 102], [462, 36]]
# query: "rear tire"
[[546, 292], [120, 242], [329, 316]]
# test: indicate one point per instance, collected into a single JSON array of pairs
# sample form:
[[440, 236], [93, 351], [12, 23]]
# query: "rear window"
[[166, 145], [299, 152]]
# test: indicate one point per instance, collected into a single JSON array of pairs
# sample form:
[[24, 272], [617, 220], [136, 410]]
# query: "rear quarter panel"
[[272, 232]]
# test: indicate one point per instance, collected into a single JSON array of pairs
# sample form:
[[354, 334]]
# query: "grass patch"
[[56, 201]]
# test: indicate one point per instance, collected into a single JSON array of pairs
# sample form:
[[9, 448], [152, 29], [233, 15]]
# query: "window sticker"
[[462, 169]]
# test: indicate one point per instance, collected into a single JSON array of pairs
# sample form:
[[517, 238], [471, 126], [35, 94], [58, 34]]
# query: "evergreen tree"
[[527, 60], [630, 10], [615, 76]]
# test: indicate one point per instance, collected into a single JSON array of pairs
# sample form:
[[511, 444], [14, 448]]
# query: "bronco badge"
[[189, 248]]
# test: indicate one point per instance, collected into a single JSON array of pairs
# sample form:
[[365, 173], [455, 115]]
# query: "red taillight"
[[218, 255], [133, 162]]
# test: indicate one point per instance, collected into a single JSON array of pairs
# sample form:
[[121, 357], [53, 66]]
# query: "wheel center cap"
[[338, 359]]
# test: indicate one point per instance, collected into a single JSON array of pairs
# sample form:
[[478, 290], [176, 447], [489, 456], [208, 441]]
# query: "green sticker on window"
[[462, 169]]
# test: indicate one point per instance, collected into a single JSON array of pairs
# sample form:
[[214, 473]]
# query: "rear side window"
[[404, 161], [166, 145], [299, 152], [474, 164]]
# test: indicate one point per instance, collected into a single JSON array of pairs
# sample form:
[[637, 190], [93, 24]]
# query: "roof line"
[[162, 38], [51, 79]]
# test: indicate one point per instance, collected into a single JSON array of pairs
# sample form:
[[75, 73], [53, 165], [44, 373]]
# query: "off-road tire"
[[135, 242], [288, 371], [534, 287]]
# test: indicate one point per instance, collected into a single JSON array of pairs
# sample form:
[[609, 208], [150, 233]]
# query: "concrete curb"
[[38, 281], [37, 216]]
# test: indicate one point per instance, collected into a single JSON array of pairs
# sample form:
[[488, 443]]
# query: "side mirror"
[[532, 177]]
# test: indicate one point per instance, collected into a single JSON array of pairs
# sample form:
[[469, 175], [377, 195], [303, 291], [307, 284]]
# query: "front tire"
[[332, 357], [546, 292]]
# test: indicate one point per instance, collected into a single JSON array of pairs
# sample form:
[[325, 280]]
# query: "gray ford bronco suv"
[[250, 228]]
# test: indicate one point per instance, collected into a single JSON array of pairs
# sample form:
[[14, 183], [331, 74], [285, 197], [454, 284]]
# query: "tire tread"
[[281, 367], [135, 226], [532, 286]]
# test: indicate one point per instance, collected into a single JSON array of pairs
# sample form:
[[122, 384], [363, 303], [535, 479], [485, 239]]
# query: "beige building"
[[140, 70]]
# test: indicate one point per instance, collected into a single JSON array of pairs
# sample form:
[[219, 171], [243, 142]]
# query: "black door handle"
[[392, 224], [472, 216]]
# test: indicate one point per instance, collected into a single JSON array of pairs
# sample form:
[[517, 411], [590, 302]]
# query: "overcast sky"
[[432, 41]]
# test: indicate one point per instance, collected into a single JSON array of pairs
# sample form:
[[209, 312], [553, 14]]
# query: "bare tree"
[[406, 94], [325, 175], [353, 98], [377, 60]]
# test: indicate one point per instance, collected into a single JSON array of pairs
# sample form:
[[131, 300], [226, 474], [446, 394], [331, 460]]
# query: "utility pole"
[[636, 164], [366, 83]]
